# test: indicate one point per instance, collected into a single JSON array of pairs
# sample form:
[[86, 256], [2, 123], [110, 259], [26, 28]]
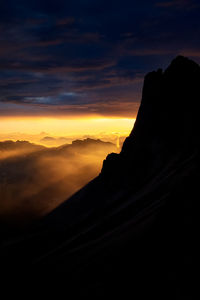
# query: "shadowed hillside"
[[130, 230]]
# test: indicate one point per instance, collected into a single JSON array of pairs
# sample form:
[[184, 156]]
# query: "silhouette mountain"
[[130, 231]]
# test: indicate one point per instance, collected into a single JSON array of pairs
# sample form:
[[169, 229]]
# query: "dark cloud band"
[[80, 53]]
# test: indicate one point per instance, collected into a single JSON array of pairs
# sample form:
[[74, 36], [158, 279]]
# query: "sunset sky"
[[75, 67]]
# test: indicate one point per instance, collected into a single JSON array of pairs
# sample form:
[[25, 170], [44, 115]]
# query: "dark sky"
[[85, 57]]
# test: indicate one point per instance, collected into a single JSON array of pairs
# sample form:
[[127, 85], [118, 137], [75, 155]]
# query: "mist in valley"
[[35, 179]]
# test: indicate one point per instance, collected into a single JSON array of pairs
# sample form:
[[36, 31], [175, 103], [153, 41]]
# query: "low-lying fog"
[[35, 179]]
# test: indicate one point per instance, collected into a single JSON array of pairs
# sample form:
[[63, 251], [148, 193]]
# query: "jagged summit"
[[170, 104], [182, 63], [169, 97], [167, 123]]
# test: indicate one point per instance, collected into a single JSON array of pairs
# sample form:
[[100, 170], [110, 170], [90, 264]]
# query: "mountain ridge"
[[129, 231]]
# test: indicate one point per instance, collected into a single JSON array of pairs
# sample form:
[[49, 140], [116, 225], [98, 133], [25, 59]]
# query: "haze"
[[35, 179]]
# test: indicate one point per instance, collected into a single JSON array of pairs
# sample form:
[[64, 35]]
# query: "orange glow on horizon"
[[64, 126]]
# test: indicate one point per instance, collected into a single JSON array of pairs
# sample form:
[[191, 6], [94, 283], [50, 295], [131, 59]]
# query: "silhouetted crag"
[[130, 232]]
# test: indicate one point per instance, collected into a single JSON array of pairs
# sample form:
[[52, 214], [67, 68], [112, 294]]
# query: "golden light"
[[64, 126]]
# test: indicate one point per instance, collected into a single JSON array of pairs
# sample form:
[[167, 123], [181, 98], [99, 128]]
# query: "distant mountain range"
[[129, 233], [49, 140], [35, 179], [19, 145]]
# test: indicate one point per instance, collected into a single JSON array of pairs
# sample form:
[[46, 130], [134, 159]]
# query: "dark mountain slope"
[[129, 232]]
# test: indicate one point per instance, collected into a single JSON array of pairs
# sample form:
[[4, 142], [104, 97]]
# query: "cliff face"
[[170, 103], [129, 231], [167, 124]]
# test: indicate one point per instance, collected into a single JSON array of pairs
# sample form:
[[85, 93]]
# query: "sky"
[[85, 59]]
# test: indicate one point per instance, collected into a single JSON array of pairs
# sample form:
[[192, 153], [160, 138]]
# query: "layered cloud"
[[80, 56]]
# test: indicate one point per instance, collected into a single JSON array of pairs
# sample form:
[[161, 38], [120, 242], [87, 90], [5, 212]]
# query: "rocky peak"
[[167, 120], [170, 102]]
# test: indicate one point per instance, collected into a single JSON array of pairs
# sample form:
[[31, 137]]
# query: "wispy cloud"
[[96, 50]]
